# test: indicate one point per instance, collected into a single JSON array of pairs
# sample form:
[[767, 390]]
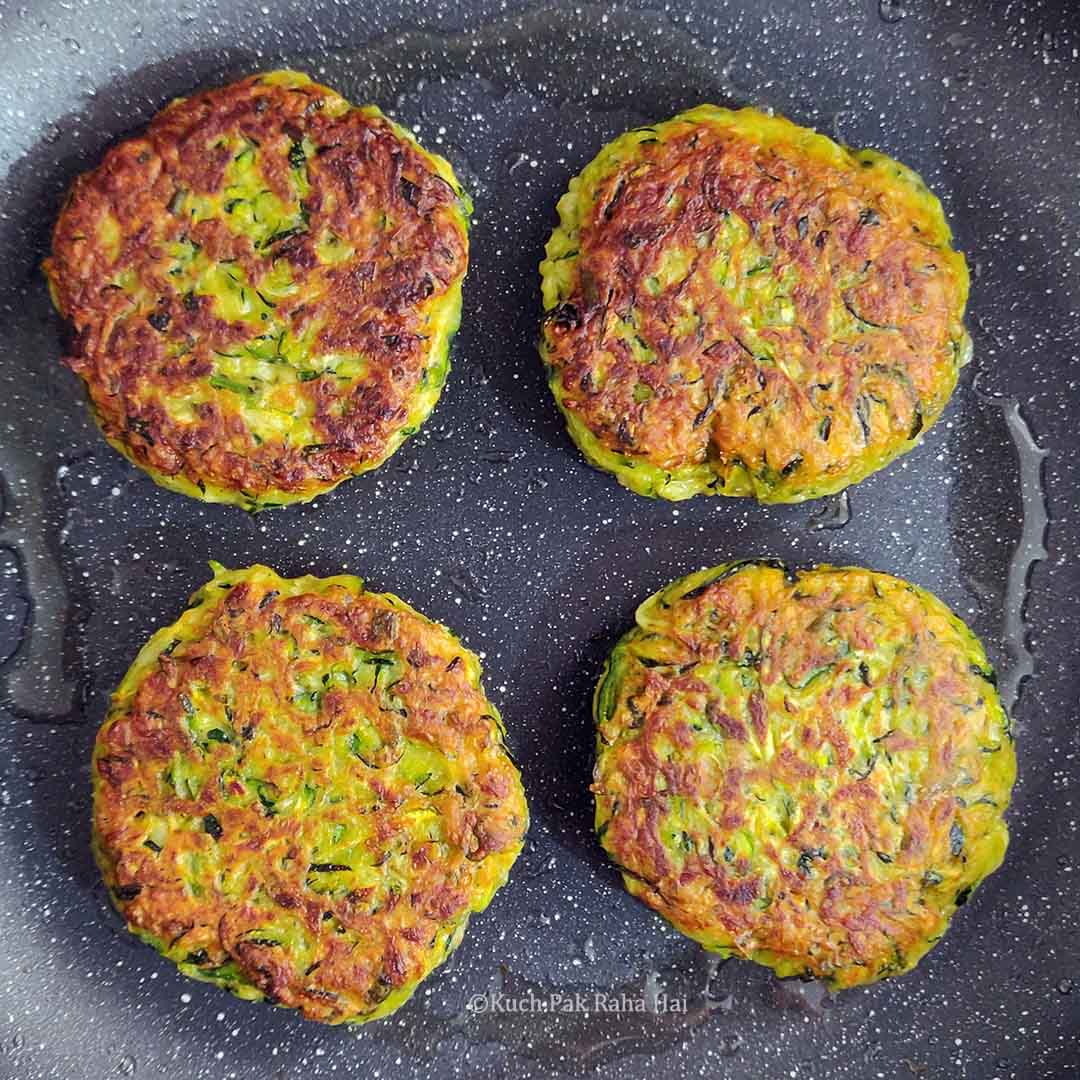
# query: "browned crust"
[[369, 304], [250, 648], [808, 769], [819, 401]]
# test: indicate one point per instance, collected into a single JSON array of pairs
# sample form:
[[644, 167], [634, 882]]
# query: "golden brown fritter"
[[804, 768], [262, 289], [301, 793], [739, 306]]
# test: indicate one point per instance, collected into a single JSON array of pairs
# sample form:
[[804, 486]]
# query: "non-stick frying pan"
[[490, 521]]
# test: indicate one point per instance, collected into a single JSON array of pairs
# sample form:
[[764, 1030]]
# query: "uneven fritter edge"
[[250, 327], [744, 414], [804, 768], [249, 915]]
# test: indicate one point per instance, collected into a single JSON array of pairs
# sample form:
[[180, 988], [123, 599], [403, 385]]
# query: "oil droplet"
[[589, 949], [37, 681], [810, 997], [547, 868], [1065, 986], [476, 375], [835, 512], [651, 990], [730, 1044], [891, 11], [466, 585], [515, 161], [1030, 549], [839, 121]]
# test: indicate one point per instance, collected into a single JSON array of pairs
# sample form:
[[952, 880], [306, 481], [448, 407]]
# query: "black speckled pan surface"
[[491, 522]]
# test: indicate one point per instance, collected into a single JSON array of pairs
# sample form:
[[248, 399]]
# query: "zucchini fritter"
[[804, 768], [739, 306], [262, 288], [301, 793]]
